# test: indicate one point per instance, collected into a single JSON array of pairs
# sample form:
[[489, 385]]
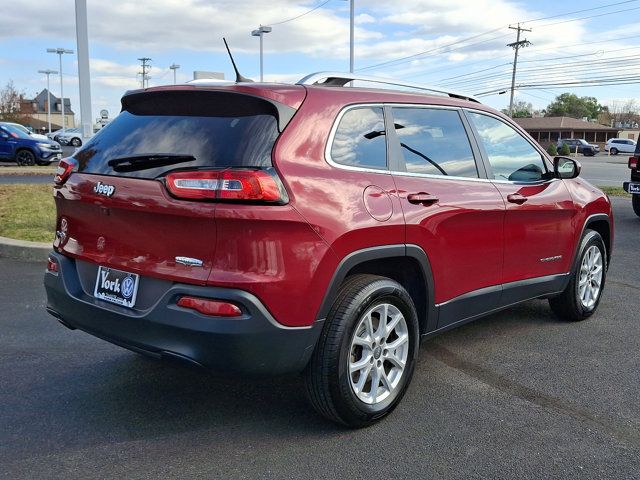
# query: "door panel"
[[538, 232]]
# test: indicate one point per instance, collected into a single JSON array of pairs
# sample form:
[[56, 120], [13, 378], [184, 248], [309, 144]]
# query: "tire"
[[570, 304], [25, 158], [614, 151], [76, 142], [346, 340], [635, 202]]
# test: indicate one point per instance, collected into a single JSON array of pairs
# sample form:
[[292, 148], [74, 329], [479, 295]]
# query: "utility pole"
[[84, 78], [48, 72], [174, 67], [144, 64], [516, 46], [259, 32], [351, 27]]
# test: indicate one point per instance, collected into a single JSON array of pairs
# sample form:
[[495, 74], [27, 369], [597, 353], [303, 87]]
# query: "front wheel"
[[582, 296], [76, 142], [635, 201], [25, 158], [366, 353]]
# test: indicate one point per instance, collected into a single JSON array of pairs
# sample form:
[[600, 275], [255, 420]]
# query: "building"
[[36, 110], [547, 130]]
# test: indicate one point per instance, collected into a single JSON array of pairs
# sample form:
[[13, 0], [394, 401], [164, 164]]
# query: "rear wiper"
[[144, 161]]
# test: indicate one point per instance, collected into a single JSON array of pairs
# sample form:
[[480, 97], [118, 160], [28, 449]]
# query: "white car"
[[24, 129], [71, 136], [620, 145]]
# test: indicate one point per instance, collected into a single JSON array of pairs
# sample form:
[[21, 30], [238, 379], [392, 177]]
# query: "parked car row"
[[19, 145], [579, 145], [70, 136], [620, 145]]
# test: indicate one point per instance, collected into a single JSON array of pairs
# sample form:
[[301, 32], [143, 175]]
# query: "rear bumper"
[[254, 344]]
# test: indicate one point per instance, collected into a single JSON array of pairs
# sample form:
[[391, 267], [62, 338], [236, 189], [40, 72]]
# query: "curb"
[[23, 250]]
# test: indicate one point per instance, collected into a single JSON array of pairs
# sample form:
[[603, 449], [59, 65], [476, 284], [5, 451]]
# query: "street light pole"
[[259, 32], [60, 52], [351, 36], [174, 67], [48, 72]]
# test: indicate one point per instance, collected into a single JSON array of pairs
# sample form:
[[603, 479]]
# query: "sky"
[[456, 44]]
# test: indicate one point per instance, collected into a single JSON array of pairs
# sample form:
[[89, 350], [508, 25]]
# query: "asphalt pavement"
[[605, 170], [516, 395]]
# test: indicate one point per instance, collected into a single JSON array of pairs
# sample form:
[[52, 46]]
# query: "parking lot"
[[515, 395]]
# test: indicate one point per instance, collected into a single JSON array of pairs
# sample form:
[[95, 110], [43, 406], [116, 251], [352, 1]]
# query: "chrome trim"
[[189, 262], [341, 79]]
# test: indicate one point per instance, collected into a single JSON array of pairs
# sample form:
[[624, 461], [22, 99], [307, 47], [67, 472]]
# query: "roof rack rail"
[[341, 79]]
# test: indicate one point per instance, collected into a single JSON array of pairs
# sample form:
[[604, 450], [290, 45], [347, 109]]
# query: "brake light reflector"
[[66, 167], [214, 308], [52, 266], [230, 184], [633, 163]]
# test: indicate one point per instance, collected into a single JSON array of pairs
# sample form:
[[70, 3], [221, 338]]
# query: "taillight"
[[230, 184], [52, 266], [633, 163], [214, 308], [66, 167]]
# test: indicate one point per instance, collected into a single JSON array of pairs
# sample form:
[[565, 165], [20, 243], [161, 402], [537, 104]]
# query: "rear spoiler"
[[204, 103]]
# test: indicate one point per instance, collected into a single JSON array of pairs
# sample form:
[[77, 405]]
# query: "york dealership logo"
[[104, 189]]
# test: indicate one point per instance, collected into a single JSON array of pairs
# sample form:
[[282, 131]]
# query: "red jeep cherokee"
[[267, 229]]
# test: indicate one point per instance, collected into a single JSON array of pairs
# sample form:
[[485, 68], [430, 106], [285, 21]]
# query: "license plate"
[[116, 286], [632, 187]]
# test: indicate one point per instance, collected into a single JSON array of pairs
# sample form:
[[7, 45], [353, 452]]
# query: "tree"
[[570, 105], [520, 110], [10, 103], [552, 149], [622, 113]]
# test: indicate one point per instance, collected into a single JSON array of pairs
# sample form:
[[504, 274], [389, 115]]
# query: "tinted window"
[[510, 155], [184, 125], [434, 142], [360, 139]]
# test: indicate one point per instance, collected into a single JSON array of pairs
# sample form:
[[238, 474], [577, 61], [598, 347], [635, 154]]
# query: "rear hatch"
[[117, 210]]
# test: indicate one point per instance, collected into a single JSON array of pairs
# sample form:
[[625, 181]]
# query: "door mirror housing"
[[566, 168]]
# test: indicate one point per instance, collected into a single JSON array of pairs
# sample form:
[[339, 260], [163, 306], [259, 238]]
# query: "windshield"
[[18, 132], [159, 142]]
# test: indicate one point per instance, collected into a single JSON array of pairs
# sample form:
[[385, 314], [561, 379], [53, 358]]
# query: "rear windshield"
[[205, 127]]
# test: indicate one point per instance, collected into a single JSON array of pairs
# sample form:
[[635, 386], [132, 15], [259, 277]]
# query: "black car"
[[583, 147], [633, 187]]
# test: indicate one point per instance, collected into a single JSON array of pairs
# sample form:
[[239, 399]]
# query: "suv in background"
[[581, 145], [24, 129], [620, 145], [633, 187], [22, 148], [266, 229]]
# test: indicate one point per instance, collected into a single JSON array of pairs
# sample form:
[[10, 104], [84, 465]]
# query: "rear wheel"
[[76, 142], [365, 356], [582, 296], [635, 201], [614, 151], [25, 158]]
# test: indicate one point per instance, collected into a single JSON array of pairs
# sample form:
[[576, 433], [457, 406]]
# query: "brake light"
[[52, 266], [66, 167], [633, 163], [214, 308], [231, 184]]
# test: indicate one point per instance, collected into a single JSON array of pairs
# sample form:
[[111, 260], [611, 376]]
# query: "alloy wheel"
[[378, 353], [590, 281]]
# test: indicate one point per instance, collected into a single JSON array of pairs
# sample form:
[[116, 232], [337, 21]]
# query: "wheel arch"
[[28, 149], [601, 223], [406, 264]]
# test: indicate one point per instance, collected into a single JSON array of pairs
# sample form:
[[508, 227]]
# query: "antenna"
[[239, 77]]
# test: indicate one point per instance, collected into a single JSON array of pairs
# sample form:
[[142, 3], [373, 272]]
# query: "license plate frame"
[[116, 286], [632, 187]]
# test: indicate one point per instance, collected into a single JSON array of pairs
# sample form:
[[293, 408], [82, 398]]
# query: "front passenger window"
[[511, 157]]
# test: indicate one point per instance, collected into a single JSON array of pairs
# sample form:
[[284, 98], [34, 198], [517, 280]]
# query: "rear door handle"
[[516, 198], [422, 198]]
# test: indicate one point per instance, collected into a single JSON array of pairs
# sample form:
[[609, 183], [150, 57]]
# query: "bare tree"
[[624, 113], [11, 104]]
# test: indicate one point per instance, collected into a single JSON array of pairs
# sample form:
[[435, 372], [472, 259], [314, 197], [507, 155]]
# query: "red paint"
[[286, 255]]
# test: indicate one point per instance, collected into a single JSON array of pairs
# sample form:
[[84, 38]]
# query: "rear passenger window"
[[434, 142], [511, 157], [360, 139]]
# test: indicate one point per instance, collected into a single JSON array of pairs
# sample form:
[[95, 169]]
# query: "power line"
[[299, 16], [579, 11]]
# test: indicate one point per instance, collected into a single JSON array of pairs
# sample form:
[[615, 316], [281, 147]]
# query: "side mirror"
[[565, 167]]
